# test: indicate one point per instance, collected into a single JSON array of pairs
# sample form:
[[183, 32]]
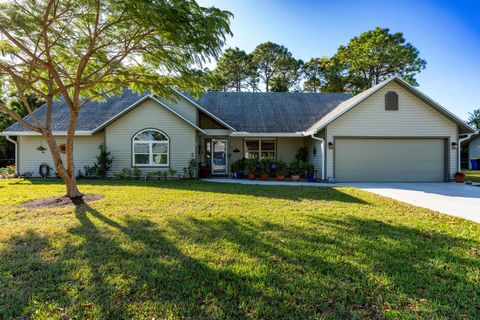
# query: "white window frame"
[[150, 149], [245, 153]]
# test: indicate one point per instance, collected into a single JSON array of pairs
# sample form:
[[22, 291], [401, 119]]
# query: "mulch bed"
[[60, 202]]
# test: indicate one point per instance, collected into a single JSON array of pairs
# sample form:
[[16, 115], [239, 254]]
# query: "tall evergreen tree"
[[376, 55], [268, 58], [233, 68]]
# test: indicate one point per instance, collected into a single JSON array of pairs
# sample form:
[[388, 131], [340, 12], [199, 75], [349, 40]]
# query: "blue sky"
[[447, 34]]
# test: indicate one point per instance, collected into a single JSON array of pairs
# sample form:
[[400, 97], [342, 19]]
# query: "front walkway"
[[450, 198]]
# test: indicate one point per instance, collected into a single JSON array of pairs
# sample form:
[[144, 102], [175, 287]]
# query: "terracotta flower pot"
[[459, 177], [251, 176], [280, 177], [295, 177], [264, 177]]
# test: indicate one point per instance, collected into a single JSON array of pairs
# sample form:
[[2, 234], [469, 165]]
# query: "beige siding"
[[186, 109], [85, 152], [235, 143], [288, 147], [315, 152], [413, 119], [150, 115]]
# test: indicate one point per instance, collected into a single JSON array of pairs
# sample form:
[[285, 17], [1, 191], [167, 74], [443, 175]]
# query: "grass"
[[191, 249], [472, 175]]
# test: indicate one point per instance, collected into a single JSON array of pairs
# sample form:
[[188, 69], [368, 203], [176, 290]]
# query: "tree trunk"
[[68, 175], [72, 188]]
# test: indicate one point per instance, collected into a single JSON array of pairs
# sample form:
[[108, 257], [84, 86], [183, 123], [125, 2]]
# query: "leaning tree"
[[84, 50]]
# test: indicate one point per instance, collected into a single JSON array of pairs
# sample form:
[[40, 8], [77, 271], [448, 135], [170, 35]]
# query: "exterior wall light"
[[454, 145], [330, 145]]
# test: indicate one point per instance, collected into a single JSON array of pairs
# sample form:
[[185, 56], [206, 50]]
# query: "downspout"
[[460, 141], [323, 152], [16, 144]]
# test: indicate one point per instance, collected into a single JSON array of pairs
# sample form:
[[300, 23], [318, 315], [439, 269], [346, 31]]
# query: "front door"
[[219, 163]]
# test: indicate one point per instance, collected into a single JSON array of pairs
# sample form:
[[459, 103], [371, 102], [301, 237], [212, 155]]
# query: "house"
[[473, 146], [391, 132]]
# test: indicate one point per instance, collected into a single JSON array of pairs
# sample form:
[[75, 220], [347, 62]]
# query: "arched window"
[[391, 101], [150, 148]]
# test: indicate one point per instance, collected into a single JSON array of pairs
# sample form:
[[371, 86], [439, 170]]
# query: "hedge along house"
[[391, 132]]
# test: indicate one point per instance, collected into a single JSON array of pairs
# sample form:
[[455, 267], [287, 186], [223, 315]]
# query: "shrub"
[[189, 170], [7, 173], [171, 172], [90, 171], [137, 173], [124, 174], [302, 154], [251, 165], [281, 167], [162, 175], [152, 175], [239, 165], [297, 167], [309, 169], [103, 163], [27, 174], [265, 165]]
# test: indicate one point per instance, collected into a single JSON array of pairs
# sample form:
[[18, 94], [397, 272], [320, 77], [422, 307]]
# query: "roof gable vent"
[[391, 101]]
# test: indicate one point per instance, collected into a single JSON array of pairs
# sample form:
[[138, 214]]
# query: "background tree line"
[[365, 61]]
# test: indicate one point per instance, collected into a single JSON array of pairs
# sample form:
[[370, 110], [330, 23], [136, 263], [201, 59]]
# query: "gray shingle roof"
[[91, 116], [271, 112], [245, 111]]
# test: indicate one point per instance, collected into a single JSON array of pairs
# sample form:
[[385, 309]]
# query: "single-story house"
[[390, 132], [473, 146]]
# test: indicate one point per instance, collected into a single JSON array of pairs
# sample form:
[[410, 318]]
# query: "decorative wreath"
[[44, 170]]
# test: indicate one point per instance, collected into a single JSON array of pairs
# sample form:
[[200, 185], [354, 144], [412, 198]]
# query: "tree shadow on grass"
[[284, 192], [239, 268]]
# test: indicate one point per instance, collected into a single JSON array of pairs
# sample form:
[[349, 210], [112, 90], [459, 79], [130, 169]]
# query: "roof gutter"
[[266, 134], [460, 141], [33, 133], [323, 152], [15, 142]]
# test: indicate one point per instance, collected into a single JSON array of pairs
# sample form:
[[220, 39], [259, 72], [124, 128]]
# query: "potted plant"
[[281, 168], [310, 171], [459, 177], [251, 165], [238, 167], [295, 169], [265, 170]]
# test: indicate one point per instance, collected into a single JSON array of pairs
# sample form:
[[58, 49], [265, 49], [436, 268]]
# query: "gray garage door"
[[389, 160]]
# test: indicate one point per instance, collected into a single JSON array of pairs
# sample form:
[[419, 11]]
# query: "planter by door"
[[264, 177], [251, 176]]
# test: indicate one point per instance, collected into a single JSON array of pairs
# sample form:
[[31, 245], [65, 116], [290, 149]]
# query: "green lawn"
[[203, 250], [473, 175]]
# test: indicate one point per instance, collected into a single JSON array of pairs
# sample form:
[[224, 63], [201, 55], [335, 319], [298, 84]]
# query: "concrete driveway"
[[451, 198]]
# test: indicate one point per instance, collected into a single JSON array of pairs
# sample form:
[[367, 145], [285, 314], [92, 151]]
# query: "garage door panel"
[[389, 160]]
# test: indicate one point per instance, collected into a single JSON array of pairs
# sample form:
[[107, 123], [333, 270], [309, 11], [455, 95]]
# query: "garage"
[[390, 159]]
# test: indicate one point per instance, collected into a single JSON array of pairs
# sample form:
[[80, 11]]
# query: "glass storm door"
[[219, 156]]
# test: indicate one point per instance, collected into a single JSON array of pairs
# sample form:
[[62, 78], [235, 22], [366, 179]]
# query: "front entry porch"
[[218, 153]]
